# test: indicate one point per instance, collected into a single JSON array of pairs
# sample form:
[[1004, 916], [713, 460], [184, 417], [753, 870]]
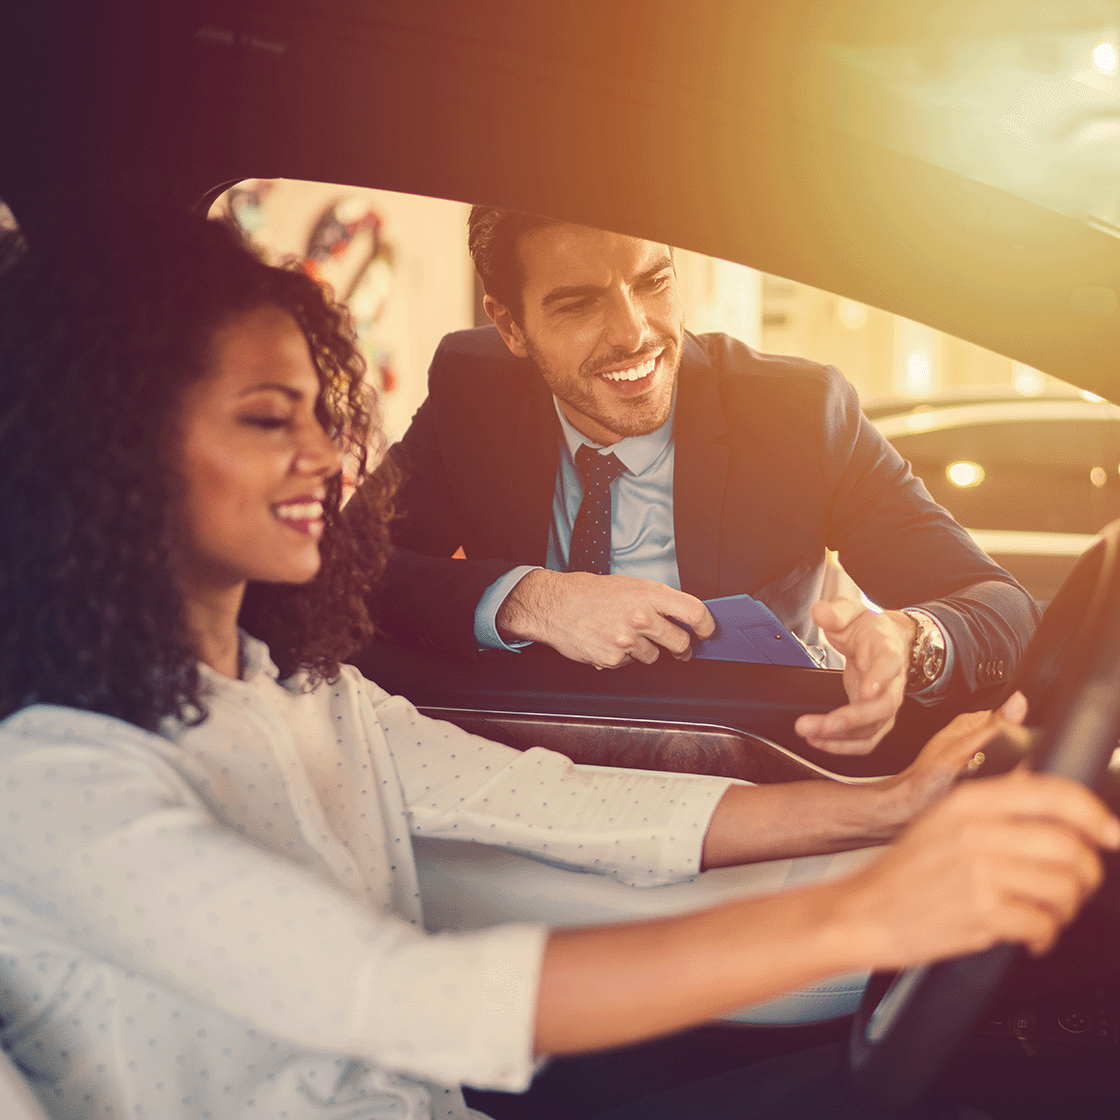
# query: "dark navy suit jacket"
[[774, 464]]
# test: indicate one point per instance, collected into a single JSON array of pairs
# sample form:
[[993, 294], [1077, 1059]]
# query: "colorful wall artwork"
[[398, 262]]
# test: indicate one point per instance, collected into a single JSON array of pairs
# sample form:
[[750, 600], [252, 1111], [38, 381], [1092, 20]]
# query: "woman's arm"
[[106, 848], [807, 818], [646, 827], [1005, 859]]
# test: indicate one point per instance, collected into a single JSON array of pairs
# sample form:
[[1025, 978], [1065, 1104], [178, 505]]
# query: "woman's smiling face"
[[255, 459]]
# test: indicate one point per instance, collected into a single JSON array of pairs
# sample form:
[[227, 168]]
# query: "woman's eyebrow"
[[272, 386]]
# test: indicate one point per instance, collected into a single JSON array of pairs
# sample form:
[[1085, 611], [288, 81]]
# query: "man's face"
[[603, 322]]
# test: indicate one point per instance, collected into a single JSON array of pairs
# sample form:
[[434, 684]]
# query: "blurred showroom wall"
[[400, 262]]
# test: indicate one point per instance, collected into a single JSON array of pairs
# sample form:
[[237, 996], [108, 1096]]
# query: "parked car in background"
[[1033, 479]]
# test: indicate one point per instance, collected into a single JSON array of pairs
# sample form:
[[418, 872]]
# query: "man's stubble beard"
[[643, 418]]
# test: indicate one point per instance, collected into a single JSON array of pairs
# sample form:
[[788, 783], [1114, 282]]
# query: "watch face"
[[927, 659], [932, 661]]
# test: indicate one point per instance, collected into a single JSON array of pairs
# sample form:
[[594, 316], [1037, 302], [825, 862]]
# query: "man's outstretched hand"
[[605, 621], [877, 652]]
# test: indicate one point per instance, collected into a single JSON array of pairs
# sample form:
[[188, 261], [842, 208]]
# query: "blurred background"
[[1027, 463], [401, 263]]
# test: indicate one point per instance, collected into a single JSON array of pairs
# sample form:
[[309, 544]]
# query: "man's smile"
[[636, 380], [633, 373]]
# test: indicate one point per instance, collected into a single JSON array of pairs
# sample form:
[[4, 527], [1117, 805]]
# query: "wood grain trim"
[[642, 745]]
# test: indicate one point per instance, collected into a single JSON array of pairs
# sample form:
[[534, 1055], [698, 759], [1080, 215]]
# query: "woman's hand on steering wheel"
[[949, 755], [1009, 859]]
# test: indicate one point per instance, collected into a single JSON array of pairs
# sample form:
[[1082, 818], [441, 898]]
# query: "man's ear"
[[507, 325]]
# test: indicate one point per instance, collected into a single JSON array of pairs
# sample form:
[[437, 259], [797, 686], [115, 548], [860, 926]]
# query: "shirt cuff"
[[454, 1008], [486, 613], [939, 687]]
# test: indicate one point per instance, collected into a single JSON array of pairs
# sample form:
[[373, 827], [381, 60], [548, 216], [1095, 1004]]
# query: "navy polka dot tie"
[[591, 537]]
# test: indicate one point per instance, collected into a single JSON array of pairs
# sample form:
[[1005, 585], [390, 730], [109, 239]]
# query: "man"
[[732, 472]]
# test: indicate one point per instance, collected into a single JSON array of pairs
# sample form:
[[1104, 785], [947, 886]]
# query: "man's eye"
[[576, 307]]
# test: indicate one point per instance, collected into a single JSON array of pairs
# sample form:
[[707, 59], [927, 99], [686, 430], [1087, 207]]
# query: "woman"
[[209, 901]]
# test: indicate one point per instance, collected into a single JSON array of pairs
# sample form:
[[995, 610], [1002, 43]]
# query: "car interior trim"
[[644, 744]]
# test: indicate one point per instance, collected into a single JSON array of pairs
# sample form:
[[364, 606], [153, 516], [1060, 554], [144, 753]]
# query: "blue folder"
[[747, 630]]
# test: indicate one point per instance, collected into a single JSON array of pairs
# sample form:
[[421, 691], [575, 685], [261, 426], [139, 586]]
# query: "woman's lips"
[[304, 515]]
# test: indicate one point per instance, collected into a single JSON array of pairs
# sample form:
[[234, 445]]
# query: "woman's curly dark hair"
[[99, 338]]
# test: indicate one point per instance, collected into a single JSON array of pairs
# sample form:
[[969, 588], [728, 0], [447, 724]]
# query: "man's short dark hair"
[[492, 237]]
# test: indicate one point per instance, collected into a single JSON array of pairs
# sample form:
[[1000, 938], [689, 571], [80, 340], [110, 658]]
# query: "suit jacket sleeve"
[[426, 597], [904, 550], [429, 601]]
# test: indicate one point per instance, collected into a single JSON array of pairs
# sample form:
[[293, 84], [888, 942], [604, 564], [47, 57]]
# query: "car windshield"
[[1035, 114]]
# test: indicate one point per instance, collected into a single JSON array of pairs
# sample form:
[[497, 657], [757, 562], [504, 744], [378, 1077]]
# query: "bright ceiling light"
[[919, 372], [1104, 58], [964, 473], [1098, 476], [851, 314], [1028, 381]]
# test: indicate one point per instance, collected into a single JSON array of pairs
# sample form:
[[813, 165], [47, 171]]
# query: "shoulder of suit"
[[758, 390], [733, 359], [477, 353]]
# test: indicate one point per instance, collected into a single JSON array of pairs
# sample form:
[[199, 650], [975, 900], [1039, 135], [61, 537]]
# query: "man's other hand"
[[877, 652], [605, 621]]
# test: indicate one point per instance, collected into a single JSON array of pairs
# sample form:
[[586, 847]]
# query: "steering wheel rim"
[[910, 1023]]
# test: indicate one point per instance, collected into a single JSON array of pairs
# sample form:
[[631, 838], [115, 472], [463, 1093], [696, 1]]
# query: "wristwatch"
[[927, 654]]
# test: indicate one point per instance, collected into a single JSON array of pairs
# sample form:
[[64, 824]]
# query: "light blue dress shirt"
[[642, 538]]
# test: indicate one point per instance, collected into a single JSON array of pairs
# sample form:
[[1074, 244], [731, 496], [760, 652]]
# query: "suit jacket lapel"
[[533, 474], [699, 473]]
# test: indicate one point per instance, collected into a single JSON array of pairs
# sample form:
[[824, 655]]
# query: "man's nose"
[[626, 325]]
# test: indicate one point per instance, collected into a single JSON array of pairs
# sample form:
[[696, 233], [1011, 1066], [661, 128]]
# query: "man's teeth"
[[300, 511], [634, 373]]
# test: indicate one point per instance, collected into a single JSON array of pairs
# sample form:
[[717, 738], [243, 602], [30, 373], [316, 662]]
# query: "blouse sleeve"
[[106, 849], [643, 827]]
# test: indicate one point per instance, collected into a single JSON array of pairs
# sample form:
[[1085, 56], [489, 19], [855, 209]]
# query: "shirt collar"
[[255, 658], [636, 453], [256, 661]]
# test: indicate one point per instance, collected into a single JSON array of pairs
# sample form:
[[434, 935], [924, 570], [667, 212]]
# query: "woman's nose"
[[319, 454]]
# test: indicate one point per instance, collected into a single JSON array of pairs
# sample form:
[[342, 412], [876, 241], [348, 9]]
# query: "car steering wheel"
[[911, 1022]]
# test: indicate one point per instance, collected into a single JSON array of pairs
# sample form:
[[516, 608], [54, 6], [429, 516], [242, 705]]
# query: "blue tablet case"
[[747, 630]]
